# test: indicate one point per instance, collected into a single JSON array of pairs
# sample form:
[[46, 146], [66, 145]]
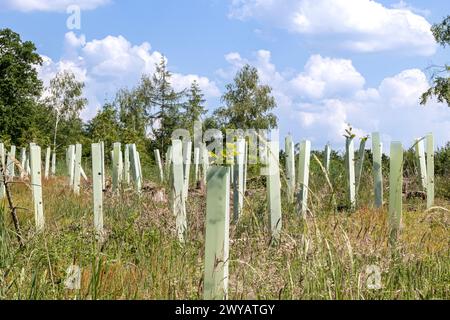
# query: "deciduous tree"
[[247, 103], [440, 77], [66, 99], [20, 87]]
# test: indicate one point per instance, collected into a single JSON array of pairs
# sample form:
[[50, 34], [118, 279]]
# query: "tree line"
[[145, 114]]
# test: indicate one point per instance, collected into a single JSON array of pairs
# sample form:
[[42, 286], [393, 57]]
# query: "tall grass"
[[324, 256]]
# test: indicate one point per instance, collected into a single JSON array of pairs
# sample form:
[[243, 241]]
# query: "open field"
[[325, 256], [224, 151]]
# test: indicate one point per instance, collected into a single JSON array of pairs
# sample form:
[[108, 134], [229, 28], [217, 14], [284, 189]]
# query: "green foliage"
[[441, 32], [442, 161], [65, 95], [20, 88], [210, 122], [131, 107], [152, 108], [440, 90], [66, 100], [349, 132], [105, 126], [146, 114], [129, 122], [247, 103], [194, 107], [162, 105], [441, 81]]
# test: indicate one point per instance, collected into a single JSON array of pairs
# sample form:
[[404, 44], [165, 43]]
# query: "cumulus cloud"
[[50, 5], [50, 68], [327, 76], [405, 5], [405, 88], [111, 63], [117, 57], [362, 25], [318, 102], [183, 81]]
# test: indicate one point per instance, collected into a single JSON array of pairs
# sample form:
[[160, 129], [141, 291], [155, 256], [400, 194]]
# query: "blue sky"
[[330, 62]]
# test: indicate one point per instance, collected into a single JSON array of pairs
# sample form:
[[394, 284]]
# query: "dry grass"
[[322, 257]]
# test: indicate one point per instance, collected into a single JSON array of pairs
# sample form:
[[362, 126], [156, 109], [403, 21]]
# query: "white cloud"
[[117, 57], [319, 101], [330, 117], [72, 41], [111, 63], [327, 76], [49, 69], [236, 61], [405, 88], [363, 25], [181, 82], [404, 5], [50, 5]]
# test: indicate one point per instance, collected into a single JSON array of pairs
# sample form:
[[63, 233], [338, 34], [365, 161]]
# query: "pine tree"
[[194, 106], [162, 104]]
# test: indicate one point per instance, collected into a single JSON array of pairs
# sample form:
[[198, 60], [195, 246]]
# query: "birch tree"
[[65, 97]]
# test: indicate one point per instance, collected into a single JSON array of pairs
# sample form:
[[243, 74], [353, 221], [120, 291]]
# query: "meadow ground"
[[329, 255]]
